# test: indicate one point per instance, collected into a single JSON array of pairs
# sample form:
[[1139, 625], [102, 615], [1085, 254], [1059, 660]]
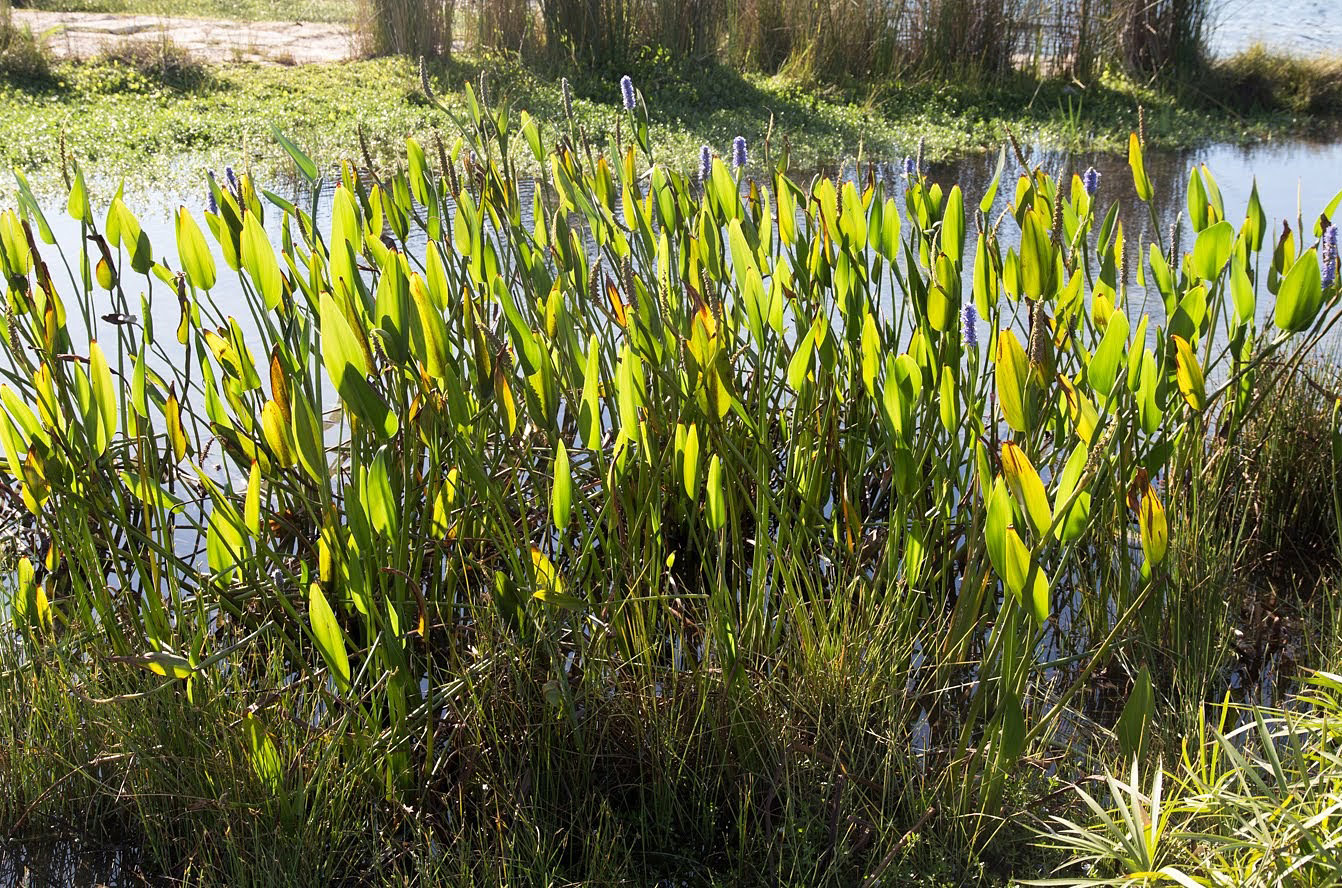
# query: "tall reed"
[[417, 28]]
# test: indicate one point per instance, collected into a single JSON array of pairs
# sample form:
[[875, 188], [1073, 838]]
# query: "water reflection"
[[62, 864]]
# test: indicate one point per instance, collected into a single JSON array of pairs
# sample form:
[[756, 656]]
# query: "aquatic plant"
[[481, 461], [627, 92], [1090, 180], [705, 163], [1328, 255], [969, 326], [739, 152]]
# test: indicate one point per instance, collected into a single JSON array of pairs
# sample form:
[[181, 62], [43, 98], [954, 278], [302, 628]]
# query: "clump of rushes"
[[589, 480]]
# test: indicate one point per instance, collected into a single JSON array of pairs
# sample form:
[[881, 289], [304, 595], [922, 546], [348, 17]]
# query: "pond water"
[[66, 863], [1296, 180], [1303, 27]]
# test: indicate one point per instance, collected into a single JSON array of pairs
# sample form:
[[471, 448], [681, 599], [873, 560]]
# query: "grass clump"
[[23, 58], [1249, 802], [1259, 78], [159, 61]]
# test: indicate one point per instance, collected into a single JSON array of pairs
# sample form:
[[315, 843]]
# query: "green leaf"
[[1136, 716], [589, 415], [258, 257], [1188, 374], [717, 507], [1073, 524], [194, 252], [1139, 179], [348, 369], [1011, 371], [995, 526], [1155, 531], [1301, 295], [251, 511], [265, 758], [562, 506], [78, 204], [1103, 368], [691, 462], [330, 640], [990, 195], [308, 438], [1212, 250], [104, 392], [305, 164], [953, 226], [799, 367]]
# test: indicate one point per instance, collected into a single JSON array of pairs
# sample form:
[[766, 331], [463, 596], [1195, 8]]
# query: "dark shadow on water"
[[70, 864]]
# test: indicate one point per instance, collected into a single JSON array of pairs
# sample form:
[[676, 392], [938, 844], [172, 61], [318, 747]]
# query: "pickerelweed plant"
[[620, 428]]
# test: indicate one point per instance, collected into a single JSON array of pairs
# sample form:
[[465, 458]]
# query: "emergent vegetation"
[[626, 524]]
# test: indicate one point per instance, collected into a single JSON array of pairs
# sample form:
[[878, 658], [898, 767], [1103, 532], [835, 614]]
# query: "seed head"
[[567, 92], [739, 152], [627, 92]]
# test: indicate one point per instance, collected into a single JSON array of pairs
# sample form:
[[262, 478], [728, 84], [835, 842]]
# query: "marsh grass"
[[162, 61], [23, 58], [415, 28], [1258, 77]]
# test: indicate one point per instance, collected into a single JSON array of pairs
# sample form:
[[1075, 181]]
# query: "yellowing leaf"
[[1027, 487], [1011, 371], [1189, 374], [1155, 530]]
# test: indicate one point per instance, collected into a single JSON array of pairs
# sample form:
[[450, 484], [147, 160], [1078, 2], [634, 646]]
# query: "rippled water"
[[1306, 27]]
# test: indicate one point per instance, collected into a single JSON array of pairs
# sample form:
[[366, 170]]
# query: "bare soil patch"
[[86, 34]]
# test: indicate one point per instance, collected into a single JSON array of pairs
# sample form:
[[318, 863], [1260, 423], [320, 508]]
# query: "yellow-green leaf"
[[330, 640], [1027, 487]]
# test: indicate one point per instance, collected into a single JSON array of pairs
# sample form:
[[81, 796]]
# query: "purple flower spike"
[[705, 163], [1328, 256], [910, 168], [209, 193], [739, 152], [627, 91], [1090, 180], [970, 320]]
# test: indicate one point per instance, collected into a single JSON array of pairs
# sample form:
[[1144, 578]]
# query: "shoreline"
[[170, 119]]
